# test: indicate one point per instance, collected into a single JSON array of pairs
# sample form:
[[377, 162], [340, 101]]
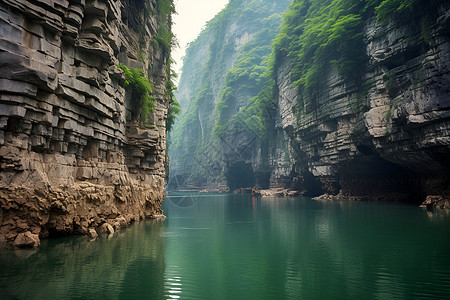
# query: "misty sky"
[[188, 22]]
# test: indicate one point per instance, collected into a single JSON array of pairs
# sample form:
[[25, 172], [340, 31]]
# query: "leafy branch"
[[141, 86]]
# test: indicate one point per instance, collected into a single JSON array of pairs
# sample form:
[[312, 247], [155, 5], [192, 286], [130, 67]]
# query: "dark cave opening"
[[380, 179], [240, 175]]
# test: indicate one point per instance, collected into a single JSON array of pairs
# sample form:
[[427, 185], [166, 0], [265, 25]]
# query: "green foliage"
[[317, 35], [249, 76], [163, 12], [170, 87], [386, 9], [155, 45], [165, 7], [174, 110], [321, 35], [258, 113], [140, 54], [174, 106], [142, 87], [389, 8], [222, 106], [164, 37]]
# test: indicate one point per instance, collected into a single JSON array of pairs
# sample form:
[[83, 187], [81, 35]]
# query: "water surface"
[[239, 247]]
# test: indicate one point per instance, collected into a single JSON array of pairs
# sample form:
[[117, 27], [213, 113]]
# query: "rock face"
[[26, 240], [388, 138], [73, 155], [223, 70], [382, 133]]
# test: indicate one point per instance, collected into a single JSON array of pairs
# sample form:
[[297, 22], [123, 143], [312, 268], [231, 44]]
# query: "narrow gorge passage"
[[226, 149], [348, 100]]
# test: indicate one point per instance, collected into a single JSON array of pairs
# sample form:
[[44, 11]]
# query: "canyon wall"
[[223, 70], [354, 104], [74, 155], [386, 137]]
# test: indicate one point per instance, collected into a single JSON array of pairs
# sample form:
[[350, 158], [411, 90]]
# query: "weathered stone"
[[12, 111], [27, 240], [65, 141], [92, 233], [106, 229], [277, 192], [438, 201], [389, 144]]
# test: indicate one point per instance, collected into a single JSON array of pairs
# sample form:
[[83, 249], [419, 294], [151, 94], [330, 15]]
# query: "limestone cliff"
[[73, 153], [223, 70], [387, 135], [356, 106]]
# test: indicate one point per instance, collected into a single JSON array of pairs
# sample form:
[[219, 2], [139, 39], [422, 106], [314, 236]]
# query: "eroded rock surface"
[[389, 137], [73, 154]]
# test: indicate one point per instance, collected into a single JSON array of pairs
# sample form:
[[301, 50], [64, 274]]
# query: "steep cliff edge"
[[384, 135], [74, 154]]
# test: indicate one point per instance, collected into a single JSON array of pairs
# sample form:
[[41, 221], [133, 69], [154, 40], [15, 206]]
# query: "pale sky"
[[191, 16]]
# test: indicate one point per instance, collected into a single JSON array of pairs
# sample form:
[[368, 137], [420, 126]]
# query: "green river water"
[[237, 247]]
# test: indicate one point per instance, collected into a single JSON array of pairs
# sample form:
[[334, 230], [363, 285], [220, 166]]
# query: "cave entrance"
[[377, 178], [240, 175]]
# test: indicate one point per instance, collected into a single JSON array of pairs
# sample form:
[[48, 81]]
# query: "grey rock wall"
[[73, 155], [388, 138]]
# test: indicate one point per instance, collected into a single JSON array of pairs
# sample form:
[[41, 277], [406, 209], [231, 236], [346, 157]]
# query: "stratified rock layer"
[[72, 154], [388, 138]]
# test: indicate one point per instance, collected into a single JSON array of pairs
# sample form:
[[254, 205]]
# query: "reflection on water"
[[292, 248], [75, 268], [239, 247]]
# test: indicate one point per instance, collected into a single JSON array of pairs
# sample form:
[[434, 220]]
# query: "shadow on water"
[[126, 266]]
